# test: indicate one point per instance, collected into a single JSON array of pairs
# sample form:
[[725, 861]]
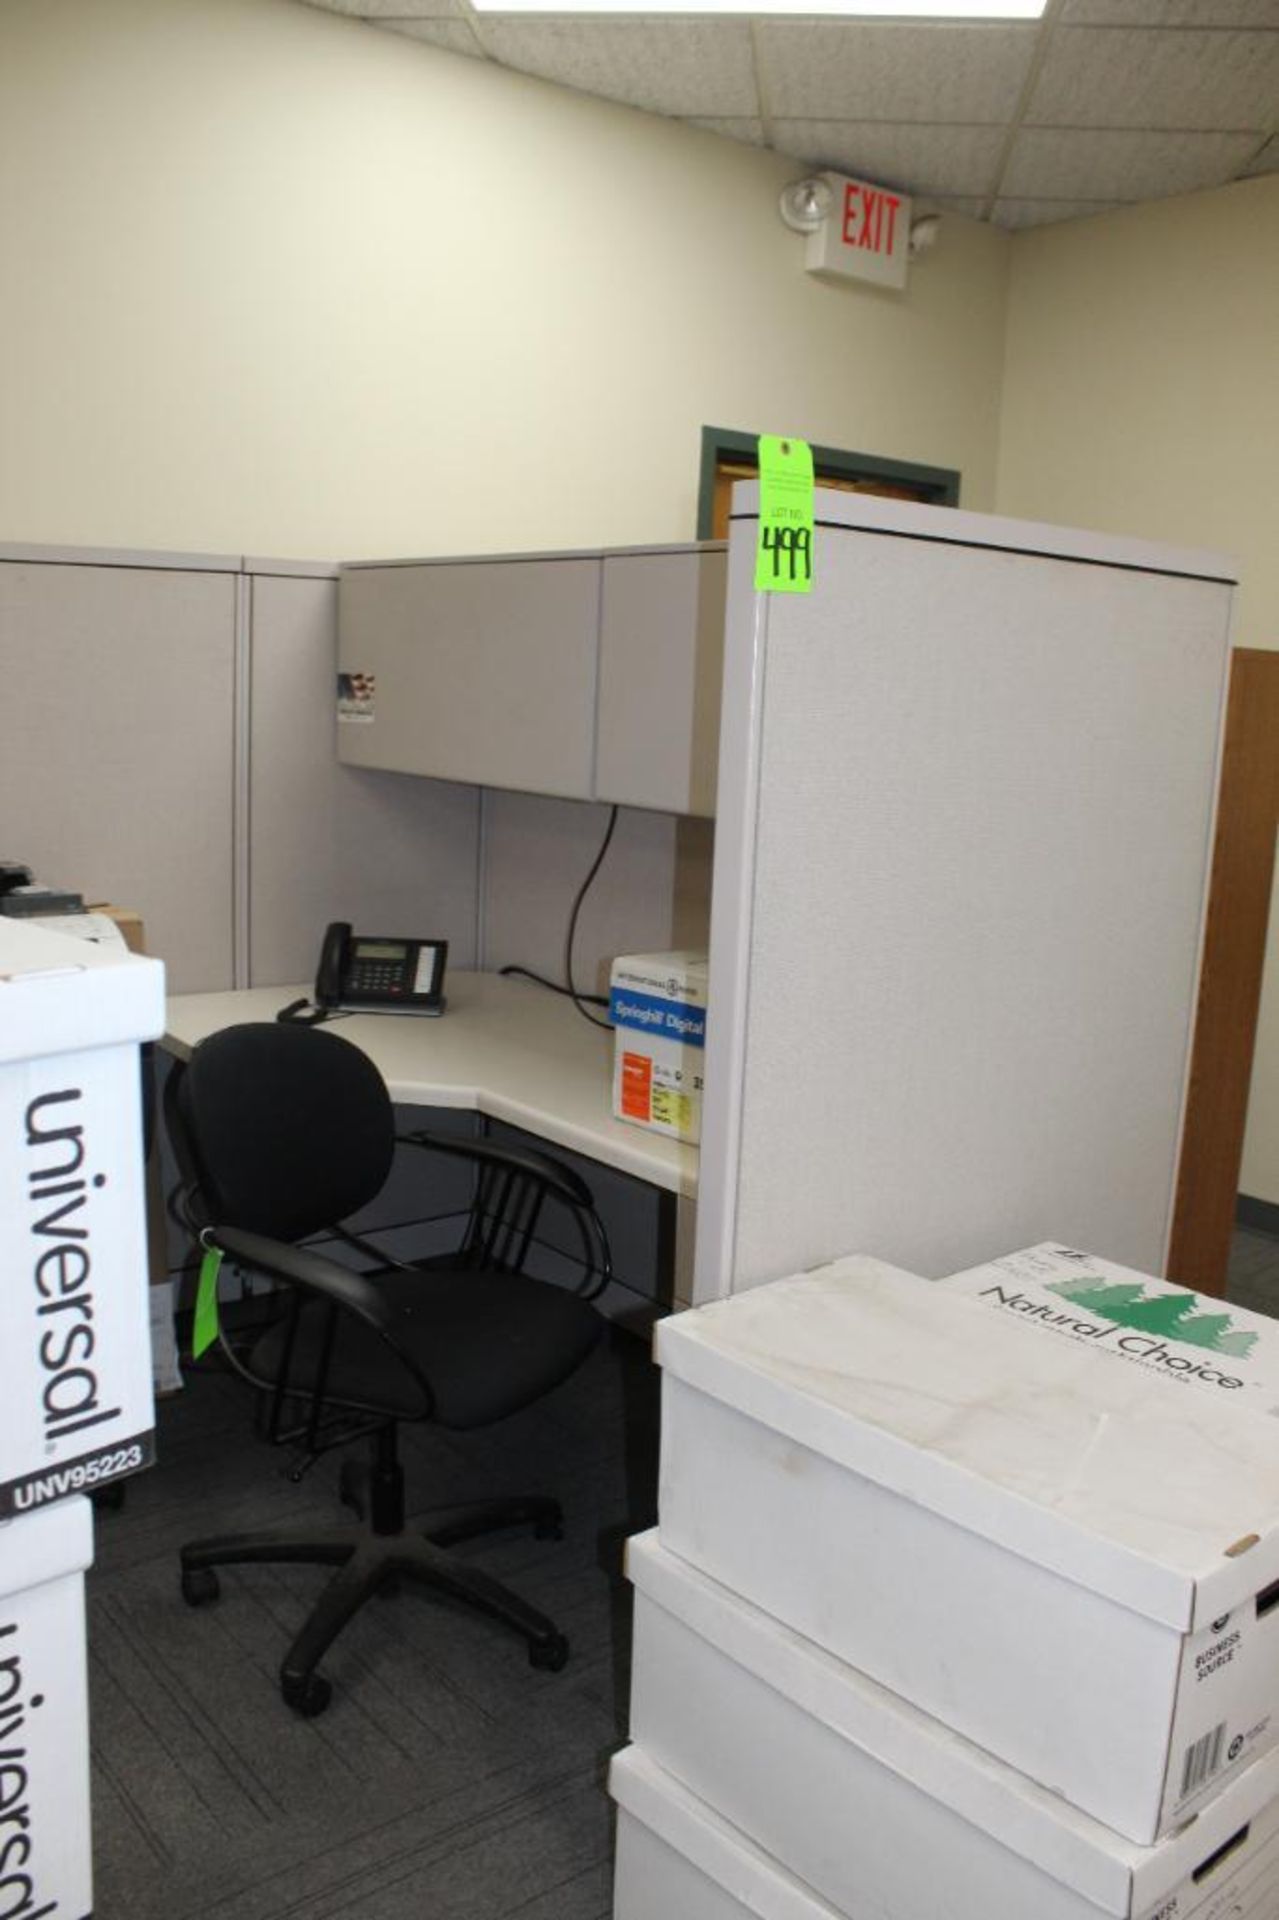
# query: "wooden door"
[[1230, 982]]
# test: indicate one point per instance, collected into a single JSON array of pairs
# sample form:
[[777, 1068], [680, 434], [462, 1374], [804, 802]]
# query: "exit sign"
[[865, 236]]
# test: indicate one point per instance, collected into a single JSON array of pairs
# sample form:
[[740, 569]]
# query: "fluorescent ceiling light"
[[845, 9]]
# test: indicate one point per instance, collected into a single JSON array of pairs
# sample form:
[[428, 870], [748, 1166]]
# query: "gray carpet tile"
[[448, 1780], [1253, 1273]]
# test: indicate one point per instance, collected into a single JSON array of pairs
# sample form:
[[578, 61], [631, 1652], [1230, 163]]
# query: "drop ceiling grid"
[[1103, 103]]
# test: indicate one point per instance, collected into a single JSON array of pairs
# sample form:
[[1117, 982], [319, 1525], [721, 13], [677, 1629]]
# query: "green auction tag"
[[784, 556], [205, 1330]]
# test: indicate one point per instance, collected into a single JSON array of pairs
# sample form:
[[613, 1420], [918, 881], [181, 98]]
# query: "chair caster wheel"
[[308, 1696], [351, 1484], [550, 1654], [200, 1586]]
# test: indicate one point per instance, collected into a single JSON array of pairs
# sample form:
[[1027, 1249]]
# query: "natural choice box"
[[45, 1850], [75, 1356], [1174, 1334], [1063, 1559], [657, 1003], [878, 1808]]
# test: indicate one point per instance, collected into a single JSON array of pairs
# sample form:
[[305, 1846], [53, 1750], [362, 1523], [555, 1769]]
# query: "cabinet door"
[[329, 842], [661, 656], [116, 747], [482, 671]]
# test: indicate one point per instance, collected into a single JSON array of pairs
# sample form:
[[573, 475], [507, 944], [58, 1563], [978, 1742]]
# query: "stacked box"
[[75, 1372], [657, 1003], [950, 1615], [45, 1839], [868, 1806], [75, 1368]]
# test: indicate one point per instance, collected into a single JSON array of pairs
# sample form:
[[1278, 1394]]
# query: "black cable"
[[553, 986], [580, 1000], [582, 891]]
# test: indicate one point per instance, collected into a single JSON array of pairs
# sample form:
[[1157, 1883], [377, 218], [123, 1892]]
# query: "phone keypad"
[[377, 976]]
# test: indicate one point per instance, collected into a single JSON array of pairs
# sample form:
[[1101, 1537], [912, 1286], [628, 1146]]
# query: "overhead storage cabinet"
[[589, 676], [661, 663], [475, 670]]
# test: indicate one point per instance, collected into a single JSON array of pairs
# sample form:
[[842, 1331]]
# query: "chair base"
[[371, 1561]]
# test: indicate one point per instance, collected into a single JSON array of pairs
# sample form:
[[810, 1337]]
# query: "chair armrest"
[[300, 1267], [555, 1175]]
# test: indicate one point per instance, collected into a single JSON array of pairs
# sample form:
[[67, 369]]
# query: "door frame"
[[936, 486], [1230, 977]]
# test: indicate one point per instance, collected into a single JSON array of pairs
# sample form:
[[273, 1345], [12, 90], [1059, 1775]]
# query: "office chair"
[[285, 1132]]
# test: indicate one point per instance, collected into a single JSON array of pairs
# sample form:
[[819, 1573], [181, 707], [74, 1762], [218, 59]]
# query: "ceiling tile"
[[1044, 213], [1135, 77], [672, 66], [972, 206], [1267, 161], [458, 36], [1172, 13], [849, 70], [913, 159], [1057, 163], [749, 131]]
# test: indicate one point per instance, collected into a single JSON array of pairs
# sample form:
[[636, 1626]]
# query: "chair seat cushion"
[[487, 1342]]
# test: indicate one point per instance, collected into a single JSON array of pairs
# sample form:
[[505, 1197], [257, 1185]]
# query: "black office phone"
[[380, 973]]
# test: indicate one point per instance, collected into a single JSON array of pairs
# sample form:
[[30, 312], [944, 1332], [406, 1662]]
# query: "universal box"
[[657, 1003], [45, 1840], [876, 1807], [75, 1349], [1055, 1556], [1130, 1318]]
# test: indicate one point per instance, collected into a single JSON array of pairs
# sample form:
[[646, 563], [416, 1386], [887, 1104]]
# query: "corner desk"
[[504, 1048]]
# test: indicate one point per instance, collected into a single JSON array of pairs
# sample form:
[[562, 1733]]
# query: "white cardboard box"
[[1060, 1559], [880, 1809], [1178, 1336], [45, 1839], [657, 1003], [677, 1859], [75, 1367]]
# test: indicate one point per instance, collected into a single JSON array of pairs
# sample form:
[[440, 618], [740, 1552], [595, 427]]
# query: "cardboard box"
[[1056, 1557], [657, 1003], [45, 1838], [880, 1809], [75, 1365], [1177, 1336]]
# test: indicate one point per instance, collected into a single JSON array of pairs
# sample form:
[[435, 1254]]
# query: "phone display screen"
[[380, 950]]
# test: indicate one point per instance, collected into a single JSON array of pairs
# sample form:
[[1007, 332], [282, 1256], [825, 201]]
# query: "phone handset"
[[328, 979], [333, 963]]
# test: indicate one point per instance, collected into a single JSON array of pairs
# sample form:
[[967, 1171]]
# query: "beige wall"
[[279, 283], [1141, 395], [276, 281]]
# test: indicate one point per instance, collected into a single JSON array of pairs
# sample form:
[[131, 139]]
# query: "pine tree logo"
[[1129, 1305]]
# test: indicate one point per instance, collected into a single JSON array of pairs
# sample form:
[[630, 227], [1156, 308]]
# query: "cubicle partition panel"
[[117, 739], [965, 801], [387, 852]]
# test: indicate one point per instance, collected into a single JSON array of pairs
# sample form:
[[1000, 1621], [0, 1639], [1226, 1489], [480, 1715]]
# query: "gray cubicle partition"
[[964, 815], [167, 743]]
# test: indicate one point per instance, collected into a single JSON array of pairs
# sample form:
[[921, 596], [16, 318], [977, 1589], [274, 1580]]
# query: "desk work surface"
[[504, 1047]]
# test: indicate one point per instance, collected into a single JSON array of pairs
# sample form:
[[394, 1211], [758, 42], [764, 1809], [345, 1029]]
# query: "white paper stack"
[[946, 1614]]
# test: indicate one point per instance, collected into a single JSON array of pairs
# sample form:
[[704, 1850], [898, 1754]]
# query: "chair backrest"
[[288, 1130]]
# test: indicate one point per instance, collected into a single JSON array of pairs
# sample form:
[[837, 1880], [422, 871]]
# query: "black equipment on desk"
[[373, 973]]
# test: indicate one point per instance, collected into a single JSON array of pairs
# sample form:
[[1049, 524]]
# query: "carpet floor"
[[448, 1780]]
